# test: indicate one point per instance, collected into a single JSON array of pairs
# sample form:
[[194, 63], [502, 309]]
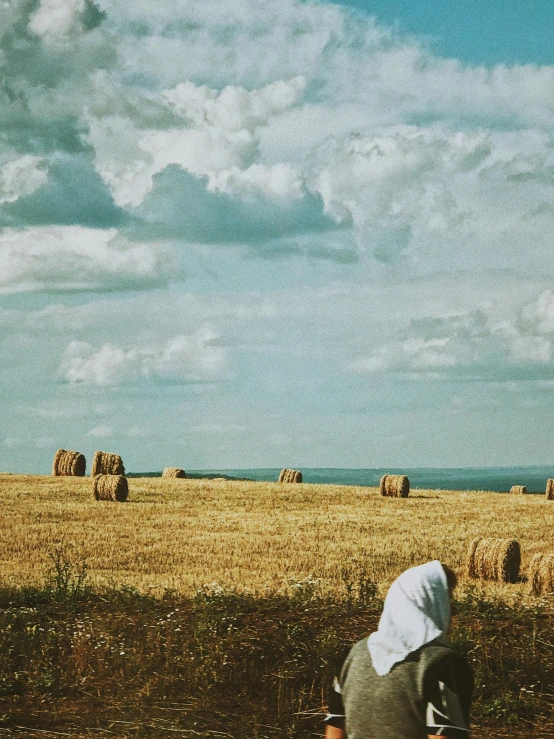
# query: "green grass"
[[81, 661]]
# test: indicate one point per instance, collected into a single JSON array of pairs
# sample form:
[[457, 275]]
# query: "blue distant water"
[[465, 478]]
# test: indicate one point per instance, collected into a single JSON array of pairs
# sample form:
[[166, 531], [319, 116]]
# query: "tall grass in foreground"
[[85, 662]]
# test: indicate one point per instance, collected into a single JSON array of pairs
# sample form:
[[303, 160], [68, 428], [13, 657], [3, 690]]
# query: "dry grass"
[[183, 534]]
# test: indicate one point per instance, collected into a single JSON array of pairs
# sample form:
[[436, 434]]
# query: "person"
[[406, 680]]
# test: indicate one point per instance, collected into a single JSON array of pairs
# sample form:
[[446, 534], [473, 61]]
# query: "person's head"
[[451, 577], [416, 611]]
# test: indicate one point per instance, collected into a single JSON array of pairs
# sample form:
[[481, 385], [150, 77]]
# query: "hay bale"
[[518, 490], [540, 574], [550, 489], [494, 559], [105, 463], [110, 487], [174, 472], [394, 486], [68, 464], [287, 475]]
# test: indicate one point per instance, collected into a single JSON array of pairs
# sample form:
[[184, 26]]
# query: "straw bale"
[[110, 487], [494, 559], [550, 489], [174, 472], [287, 475], [68, 464], [518, 490], [105, 463], [395, 486], [540, 575]]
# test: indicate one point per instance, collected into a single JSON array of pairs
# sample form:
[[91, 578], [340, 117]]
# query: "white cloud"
[[54, 258], [21, 176], [440, 196], [218, 133], [301, 101], [519, 343], [183, 359], [55, 20], [101, 432], [280, 182]]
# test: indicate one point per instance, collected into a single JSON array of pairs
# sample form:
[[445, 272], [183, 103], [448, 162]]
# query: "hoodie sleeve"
[[448, 698], [335, 709]]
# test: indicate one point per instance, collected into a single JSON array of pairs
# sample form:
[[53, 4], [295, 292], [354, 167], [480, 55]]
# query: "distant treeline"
[[194, 476]]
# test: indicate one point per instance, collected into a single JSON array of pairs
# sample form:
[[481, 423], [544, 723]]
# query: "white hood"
[[416, 611]]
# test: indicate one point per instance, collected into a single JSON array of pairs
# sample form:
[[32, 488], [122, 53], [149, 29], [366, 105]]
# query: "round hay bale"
[[550, 489], [68, 464], [494, 559], [540, 574], [105, 463], [174, 472], [395, 486], [287, 475], [518, 490], [110, 487]]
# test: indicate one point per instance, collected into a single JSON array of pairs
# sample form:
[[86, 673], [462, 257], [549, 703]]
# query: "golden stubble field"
[[186, 534]]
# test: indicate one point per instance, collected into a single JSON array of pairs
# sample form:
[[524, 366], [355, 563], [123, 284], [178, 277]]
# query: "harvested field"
[[255, 536], [145, 663]]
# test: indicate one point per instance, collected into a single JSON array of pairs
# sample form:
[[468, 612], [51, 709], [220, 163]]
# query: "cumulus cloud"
[[55, 20], [20, 177], [475, 344], [181, 360], [280, 182], [433, 194], [213, 216], [57, 258], [218, 132], [71, 193], [272, 112]]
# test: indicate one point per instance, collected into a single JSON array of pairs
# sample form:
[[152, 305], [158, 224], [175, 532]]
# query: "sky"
[[242, 234]]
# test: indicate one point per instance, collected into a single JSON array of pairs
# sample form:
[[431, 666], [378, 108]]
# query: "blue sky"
[[475, 31], [240, 233]]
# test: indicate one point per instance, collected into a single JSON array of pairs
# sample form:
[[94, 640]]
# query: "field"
[[218, 609], [184, 534]]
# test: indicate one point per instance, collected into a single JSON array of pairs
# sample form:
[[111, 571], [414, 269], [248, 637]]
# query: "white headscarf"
[[416, 611]]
